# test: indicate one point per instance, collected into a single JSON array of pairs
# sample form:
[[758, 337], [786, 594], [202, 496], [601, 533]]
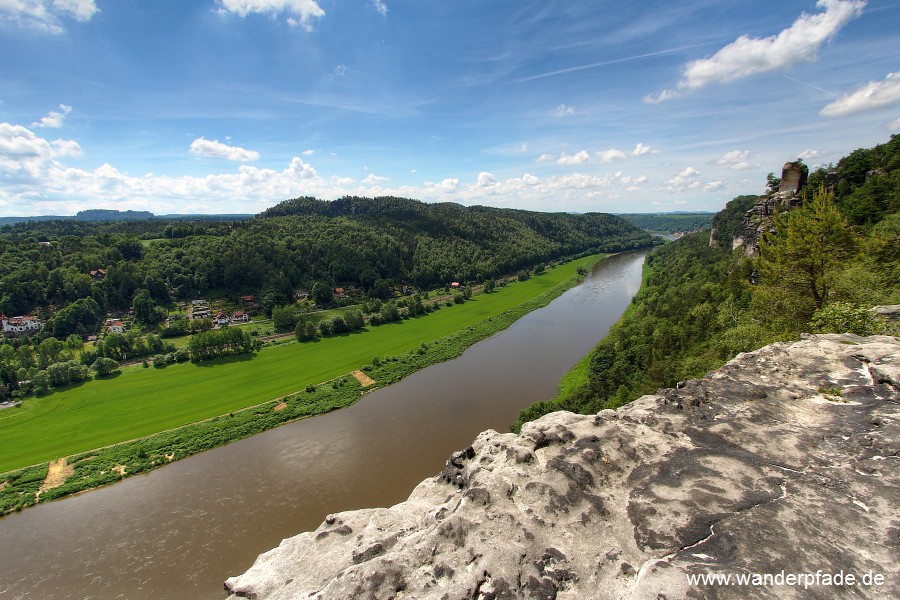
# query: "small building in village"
[[22, 325]]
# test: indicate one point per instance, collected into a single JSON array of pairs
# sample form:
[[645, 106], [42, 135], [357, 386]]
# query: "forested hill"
[[670, 222], [371, 244], [824, 266]]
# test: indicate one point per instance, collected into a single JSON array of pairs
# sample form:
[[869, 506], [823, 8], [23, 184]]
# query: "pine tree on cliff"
[[799, 262]]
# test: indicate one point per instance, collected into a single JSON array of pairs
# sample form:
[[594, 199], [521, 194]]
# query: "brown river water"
[[180, 531]]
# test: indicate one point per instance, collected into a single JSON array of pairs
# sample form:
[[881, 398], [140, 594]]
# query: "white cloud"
[[216, 149], [613, 154], [875, 94], [610, 155], [712, 186], [54, 119], [749, 56], [380, 6], [641, 150], [737, 160], [485, 179], [45, 15], [529, 179], [17, 142], [447, 185], [573, 159], [300, 12], [810, 154], [687, 179], [564, 111], [81, 10], [308, 152], [661, 96], [373, 179], [545, 158]]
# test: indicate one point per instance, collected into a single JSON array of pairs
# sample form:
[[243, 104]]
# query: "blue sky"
[[230, 106]]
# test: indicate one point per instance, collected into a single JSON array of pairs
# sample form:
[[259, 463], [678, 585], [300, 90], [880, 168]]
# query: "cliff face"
[[786, 459], [760, 218]]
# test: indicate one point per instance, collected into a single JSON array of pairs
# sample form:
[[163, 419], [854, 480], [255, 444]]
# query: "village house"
[[98, 274], [455, 285], [339, 292], [221, 319], [116, 326], [248, 299], [15, 326], [240, 317], [300, 294], [200, 312]]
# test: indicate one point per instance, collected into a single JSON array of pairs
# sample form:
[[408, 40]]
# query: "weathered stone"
[[750, 470]]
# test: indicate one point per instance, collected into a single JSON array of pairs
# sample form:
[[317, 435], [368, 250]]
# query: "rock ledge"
[[787, 459]]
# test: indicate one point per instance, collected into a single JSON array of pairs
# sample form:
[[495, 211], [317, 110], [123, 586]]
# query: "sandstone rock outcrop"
[[786, 460], [760, 218]]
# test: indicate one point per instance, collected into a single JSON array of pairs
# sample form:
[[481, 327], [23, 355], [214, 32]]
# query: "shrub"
[[843, 317]]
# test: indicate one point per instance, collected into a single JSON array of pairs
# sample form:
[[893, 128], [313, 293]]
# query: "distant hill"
[[109, 215], [670, 222]]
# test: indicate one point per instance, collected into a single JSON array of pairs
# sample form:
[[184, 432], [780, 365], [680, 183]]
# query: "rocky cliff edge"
[[786, 461]]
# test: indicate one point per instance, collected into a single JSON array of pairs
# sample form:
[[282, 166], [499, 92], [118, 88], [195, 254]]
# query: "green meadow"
[[140, 402]]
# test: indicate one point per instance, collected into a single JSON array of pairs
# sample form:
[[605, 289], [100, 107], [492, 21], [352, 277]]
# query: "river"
[[180, 531]]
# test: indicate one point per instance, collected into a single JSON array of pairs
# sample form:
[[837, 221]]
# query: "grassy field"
[[140, 402]]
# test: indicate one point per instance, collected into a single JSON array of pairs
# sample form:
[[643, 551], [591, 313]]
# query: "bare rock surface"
[[786, 460]]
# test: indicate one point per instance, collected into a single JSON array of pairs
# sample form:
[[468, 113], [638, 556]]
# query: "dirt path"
[[363, 379], [57, 472]]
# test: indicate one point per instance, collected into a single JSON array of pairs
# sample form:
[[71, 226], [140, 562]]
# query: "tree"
[[284, 318], [145, 310], [322, 294], [799, 263]]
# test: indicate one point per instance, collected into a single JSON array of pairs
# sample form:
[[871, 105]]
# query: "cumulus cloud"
[[373, 179], [613, 154], [46, 15], [485, 179], [875, 94], [564, 111], [736, 160], [54, 119], [811, 154], [216, 149], [749, 56], [573, 159], [712, 186], [687, 179], [545, 158], [37, 179], [18, 142], [610, 155], [299, 12]]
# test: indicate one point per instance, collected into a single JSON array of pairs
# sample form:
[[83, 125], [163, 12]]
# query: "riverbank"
[[95, 468]]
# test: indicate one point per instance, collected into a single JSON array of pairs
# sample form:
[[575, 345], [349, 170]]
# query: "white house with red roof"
[[19, 325]]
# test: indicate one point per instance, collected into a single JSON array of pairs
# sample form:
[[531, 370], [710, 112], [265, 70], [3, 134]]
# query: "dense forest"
[[77, 274], [373, 244], [820, 270], [669, 222]]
